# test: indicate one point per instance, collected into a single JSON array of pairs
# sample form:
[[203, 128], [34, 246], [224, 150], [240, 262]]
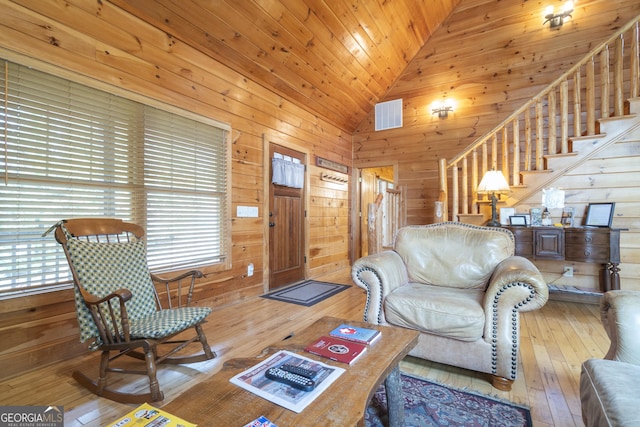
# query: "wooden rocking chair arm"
[[123, 295], [192, 273]]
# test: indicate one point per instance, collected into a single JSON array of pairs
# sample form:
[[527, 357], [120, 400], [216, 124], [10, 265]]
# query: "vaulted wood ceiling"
[[335, 58], [338, 58]]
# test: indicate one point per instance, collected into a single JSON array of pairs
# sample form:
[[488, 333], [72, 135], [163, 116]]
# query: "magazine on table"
[[356, 334], [146, 415], [336, 349], [261, 421], [254, 380]]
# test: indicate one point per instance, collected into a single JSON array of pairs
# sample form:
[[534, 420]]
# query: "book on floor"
[[356, 334], [337, 349], [146, 415]]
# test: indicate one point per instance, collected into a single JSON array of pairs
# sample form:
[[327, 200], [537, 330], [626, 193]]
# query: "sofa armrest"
[[516, 285], [378, 275], [620, 312]]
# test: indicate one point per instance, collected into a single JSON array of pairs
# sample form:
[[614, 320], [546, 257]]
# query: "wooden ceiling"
[[335, 58], [338, 58]]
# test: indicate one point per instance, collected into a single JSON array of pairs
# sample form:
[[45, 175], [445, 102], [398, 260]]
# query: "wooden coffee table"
[[218, 402]]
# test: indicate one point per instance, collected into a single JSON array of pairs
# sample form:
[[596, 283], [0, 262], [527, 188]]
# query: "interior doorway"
[[372, 181], [286, 222]]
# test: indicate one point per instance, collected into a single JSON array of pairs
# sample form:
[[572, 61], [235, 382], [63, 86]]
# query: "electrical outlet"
[[568, 271], [250, 270]]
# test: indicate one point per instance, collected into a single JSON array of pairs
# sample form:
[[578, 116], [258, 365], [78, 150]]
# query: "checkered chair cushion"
[[103, 268]]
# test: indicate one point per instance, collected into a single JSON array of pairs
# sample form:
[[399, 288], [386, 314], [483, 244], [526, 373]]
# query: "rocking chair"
[[119, 307]]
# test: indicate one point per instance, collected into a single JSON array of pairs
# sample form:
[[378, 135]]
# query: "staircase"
[[588, 108]]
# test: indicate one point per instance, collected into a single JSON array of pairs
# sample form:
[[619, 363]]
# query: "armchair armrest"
[[378, 275], [516, 285], [620, 313]]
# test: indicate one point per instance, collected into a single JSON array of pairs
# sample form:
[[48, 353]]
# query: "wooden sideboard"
[[595, 245]]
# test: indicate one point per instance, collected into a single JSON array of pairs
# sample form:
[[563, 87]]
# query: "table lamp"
[[493, 182]]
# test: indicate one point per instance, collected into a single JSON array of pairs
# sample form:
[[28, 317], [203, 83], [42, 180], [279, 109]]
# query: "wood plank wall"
[[611, 176], [95, 42], [468, 60]]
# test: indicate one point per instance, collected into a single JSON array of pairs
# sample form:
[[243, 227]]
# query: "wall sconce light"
[[556, 20], [442, 108]]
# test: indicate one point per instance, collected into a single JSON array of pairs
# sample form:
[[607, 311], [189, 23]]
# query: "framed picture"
[[536, 216], [567, 217], [518, 220], [505, 213], [599, 214]]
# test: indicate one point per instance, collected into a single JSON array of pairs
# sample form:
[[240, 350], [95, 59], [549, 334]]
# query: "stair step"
[[536, 172], [589, 138], [616, 124], [634, 105], [560, 155]]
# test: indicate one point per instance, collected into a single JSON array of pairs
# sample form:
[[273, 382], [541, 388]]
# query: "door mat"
[[307, 293], [429, 404]]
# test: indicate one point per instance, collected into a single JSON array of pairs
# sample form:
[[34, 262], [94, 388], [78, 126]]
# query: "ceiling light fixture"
[[556, 20]]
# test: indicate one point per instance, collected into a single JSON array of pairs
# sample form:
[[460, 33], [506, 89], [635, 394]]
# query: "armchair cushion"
[[610, 388], [453, 256], [450, 312], [609, 393]]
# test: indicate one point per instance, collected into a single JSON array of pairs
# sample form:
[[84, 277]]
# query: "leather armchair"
[[461, 287], [610, 387]]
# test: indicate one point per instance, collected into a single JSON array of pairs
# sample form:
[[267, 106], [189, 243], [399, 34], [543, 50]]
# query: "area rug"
[[430, 404], [306, 293]]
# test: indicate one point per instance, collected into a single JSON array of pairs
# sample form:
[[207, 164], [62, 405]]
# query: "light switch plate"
[[247, 212]]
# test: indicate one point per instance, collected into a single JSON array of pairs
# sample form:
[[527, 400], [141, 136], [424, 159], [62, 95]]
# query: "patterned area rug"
[[307, 293], [430, 404]]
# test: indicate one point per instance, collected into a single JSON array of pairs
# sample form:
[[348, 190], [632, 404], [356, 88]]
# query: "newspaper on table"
[[254, 380]]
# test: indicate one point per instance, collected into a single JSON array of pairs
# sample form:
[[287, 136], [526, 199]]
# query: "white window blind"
[[74, 151]]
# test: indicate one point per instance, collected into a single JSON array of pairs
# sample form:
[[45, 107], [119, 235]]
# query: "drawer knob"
[[588, 239], [587, 253]]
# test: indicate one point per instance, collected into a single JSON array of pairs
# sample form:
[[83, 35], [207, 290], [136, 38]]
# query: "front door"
[[286, 226]]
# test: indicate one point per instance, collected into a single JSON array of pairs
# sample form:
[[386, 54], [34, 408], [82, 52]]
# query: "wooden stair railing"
[[527, 136]]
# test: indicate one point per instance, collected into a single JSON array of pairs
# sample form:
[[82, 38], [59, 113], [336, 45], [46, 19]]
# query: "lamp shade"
[[493, 182]]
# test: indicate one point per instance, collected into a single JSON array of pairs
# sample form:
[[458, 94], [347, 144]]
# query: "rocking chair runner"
[[119, 307]]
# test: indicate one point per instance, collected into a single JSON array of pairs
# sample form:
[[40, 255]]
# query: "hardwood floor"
[[554, 341]]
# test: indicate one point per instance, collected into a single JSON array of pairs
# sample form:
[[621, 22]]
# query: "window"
[[69, 150]]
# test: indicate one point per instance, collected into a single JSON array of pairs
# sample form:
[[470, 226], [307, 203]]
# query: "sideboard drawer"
[[587, 253], [592, 245], [586, 237]]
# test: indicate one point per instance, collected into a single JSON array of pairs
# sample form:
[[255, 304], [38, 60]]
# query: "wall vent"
[[389, 114]]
